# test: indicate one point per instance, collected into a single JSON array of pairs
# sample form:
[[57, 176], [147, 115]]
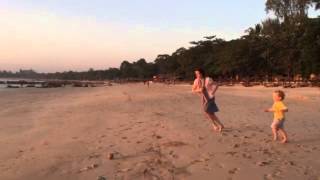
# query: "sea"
[[2, 86]]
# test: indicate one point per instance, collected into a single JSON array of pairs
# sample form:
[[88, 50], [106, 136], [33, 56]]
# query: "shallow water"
[[2, 86]]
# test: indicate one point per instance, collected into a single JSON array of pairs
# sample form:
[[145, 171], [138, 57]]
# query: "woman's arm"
[[215, 89], [211, 85]]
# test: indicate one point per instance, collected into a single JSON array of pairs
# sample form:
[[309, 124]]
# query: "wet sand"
[[154, 133]]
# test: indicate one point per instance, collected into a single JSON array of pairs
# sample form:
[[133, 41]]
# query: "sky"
[[62, 35]]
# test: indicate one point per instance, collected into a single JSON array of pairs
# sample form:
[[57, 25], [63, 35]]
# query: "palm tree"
[[288, 10]]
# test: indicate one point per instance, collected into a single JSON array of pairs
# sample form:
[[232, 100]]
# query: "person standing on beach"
[[205, 87]]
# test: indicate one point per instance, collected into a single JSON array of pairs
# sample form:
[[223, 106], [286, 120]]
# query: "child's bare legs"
[[274, 132], [284, 135], [216, 123]]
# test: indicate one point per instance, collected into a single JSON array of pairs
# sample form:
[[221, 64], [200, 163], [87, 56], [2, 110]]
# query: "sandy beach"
[[154, 133]]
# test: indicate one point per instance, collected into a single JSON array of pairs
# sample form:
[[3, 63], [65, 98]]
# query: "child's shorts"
[[278, 124]]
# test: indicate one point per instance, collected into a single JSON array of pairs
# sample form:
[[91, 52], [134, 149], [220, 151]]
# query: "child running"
[[278, 110]]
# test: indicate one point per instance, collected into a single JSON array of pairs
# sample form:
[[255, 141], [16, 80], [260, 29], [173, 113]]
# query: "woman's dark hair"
[[201, 71]]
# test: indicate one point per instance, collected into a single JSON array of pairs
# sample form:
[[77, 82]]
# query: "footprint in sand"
[[232, 153], [126, 129], [268, 176], [234, 146], [174, 144], [263, 163], [175, 156], [245, 137], [266, 140], [221, 140], [102, 136], [158, 114], [221, 165], [233, 171], [128, 96], [94, 156], [156, 136], [246, 155], [291, 163]]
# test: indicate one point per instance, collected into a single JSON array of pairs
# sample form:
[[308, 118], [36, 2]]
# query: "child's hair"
[[280, 94], [201, 71]]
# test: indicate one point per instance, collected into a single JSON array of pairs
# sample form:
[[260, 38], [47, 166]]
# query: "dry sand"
[[154, 133]]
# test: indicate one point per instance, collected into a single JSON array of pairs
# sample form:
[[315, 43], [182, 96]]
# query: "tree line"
[[286, 45]]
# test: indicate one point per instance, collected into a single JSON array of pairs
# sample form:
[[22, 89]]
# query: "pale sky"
[[61, 35]]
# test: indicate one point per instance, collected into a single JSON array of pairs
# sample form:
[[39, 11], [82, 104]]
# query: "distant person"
[[205, 87], [147, 82], [278, 110]]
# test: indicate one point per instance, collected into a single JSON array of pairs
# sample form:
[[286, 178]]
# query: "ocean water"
[[2, 86]]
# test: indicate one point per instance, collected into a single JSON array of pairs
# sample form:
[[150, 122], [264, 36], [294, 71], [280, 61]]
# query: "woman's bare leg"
[[214, 124], [215, 120]]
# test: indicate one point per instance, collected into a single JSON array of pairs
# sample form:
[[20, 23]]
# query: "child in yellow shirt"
[[278, 110]]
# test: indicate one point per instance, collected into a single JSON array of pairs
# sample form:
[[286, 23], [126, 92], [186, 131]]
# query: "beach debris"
[[92, 166], [114, 155], [101, 178], [110, 156]]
